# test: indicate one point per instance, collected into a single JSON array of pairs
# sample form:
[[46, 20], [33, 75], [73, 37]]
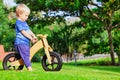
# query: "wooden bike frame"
[[35, 48]]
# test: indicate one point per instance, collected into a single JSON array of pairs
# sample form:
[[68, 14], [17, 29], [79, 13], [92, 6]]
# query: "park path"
[[82, 57]]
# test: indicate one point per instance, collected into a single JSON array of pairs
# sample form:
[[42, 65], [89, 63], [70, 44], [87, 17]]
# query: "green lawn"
[[68, 72]]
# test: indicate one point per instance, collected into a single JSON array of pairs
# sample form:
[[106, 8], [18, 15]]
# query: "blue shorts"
[[24, 51]]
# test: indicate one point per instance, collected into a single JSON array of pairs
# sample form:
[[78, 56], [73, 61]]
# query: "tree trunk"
[[111, 47], [119, 60]]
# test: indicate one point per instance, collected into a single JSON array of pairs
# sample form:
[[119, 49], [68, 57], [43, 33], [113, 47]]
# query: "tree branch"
[[95, 5], [94, 14], [116, 25]]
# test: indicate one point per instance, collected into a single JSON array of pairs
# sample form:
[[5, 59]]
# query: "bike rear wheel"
[[11, 58], [56, 64]]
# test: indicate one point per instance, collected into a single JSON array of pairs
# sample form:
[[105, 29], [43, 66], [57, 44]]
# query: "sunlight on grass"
[[68, 72]]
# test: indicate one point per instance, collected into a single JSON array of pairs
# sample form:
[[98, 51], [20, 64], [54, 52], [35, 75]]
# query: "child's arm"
[[27, 35], [32, 34]]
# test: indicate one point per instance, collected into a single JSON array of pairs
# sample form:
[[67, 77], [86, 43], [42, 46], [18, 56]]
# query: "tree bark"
[[118, 60], [111, 47]]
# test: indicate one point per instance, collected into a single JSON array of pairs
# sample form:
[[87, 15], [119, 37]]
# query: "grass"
[[68, 72], [95, 61]]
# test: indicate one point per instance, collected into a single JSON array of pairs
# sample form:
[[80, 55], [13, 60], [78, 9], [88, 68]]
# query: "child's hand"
[[34, 40]]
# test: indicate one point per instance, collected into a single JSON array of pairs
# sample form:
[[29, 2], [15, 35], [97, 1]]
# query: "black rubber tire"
[[56, 62], [10, 58]]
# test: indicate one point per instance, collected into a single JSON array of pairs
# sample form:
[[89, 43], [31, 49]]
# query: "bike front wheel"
[[56, 62]]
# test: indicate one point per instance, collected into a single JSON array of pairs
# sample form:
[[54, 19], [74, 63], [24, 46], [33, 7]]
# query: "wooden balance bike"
[[51, 61]]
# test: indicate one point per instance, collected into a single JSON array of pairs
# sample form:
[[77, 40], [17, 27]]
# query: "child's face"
[[24, 16]]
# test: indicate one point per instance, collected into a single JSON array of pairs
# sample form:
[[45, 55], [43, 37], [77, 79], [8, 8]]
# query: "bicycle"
[[51, 61]]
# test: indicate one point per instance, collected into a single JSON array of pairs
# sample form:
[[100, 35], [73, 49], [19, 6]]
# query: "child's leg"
[[24, 51], [29, 68]]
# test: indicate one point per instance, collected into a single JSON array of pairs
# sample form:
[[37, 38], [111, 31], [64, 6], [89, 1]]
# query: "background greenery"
[[97, 33], [90, 36]]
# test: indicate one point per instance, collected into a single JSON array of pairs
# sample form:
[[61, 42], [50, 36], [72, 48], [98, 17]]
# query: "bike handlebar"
[[42, 36]]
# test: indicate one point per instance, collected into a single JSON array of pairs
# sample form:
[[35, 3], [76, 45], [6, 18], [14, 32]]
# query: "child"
[[23, 34]]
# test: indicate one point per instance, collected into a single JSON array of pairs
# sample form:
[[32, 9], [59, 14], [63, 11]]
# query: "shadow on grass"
[[96, 65], [107, 68], [99, 67], [2, 70]]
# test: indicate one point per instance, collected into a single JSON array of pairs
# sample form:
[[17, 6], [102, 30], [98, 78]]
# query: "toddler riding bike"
[[51, 61]]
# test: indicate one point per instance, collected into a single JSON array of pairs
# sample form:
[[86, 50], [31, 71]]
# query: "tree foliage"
[[105, 14], [6, 35], [99, 24]]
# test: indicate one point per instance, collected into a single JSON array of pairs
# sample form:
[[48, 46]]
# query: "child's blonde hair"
[[22, 8]]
